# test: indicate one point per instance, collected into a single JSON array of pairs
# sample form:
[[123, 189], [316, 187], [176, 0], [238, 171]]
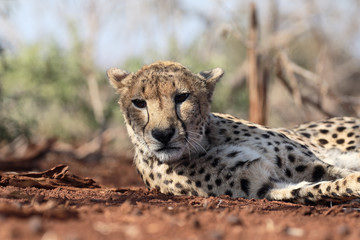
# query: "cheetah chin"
[[181, 147]]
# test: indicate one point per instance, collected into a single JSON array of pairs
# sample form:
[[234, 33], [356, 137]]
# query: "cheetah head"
[[165, 107]]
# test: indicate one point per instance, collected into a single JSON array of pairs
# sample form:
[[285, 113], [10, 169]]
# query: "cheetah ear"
[[116, 77], [211, 77]]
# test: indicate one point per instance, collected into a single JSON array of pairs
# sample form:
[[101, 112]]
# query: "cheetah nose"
[[163, 135]]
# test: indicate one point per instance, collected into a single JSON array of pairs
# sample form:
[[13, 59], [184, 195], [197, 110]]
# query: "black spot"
[[235, 126], [334, 135], [295, 193], [313, 125], [340, 141], [265, 135], [309, 153], [218, 182], [340, 129], [194, 193], [229, 193], [207, 131], [308, 202], [228, 139], [232, 154], [186, 163], [288, 173], [291, 158], [236, 132], [178, 185], [289, 148], [228, 175], [222, 131], [192, 165], [328, 188], [281, 135], [323, 141], [166, 182], [263, 190], [238, 164], [211, 194], [159, 175], [309, 194], [201, 171], [351, 142], [151, 176], [349, 191], [192, 173], [147, 183], [245, 186], [324, 131], [184, 192], [316, 186], [334, 194], [198, 183], [300, 168], [358, 179], [247, 135], [210, 187], [252, 127], [350, 148], [350, 134], [180, 173], [207, 177], [215, 162], [231, 184], [169, 170], [276, 149], [306, 134], [318, 173], [271, 133], [188, 181], [278, 161]]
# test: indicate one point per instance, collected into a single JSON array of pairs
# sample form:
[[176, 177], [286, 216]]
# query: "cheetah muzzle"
[[183, 148]]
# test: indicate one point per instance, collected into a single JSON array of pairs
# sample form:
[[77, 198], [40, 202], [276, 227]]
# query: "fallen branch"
[[50, 179]]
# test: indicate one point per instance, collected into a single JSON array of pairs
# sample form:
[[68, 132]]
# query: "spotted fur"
[[183, 148]]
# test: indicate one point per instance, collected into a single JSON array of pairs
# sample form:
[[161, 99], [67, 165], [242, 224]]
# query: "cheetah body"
[[183, 148]]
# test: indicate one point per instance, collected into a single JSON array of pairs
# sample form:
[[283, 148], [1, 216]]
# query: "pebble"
[[217, 235], [295, 232], [49, 236], [35, 224], [234, 220], [196, 224], [343, 230]]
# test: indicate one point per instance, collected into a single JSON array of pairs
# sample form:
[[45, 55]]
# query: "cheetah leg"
[[339, 190]]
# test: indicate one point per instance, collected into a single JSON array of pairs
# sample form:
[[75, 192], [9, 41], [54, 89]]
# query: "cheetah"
[[182, 148]]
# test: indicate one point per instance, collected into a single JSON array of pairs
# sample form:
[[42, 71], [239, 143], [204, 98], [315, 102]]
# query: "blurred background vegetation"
[[54, 54]]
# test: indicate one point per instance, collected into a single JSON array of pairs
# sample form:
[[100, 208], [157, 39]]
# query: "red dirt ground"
[[123, 209]]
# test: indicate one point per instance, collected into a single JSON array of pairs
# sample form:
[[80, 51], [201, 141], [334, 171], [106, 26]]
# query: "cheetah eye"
[[179, 98], [139, 103]]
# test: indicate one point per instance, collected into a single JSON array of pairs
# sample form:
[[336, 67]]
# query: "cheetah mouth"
[[168, 149]]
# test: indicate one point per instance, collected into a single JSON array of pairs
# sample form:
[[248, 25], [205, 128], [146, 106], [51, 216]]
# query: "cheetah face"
[[165, 107]]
